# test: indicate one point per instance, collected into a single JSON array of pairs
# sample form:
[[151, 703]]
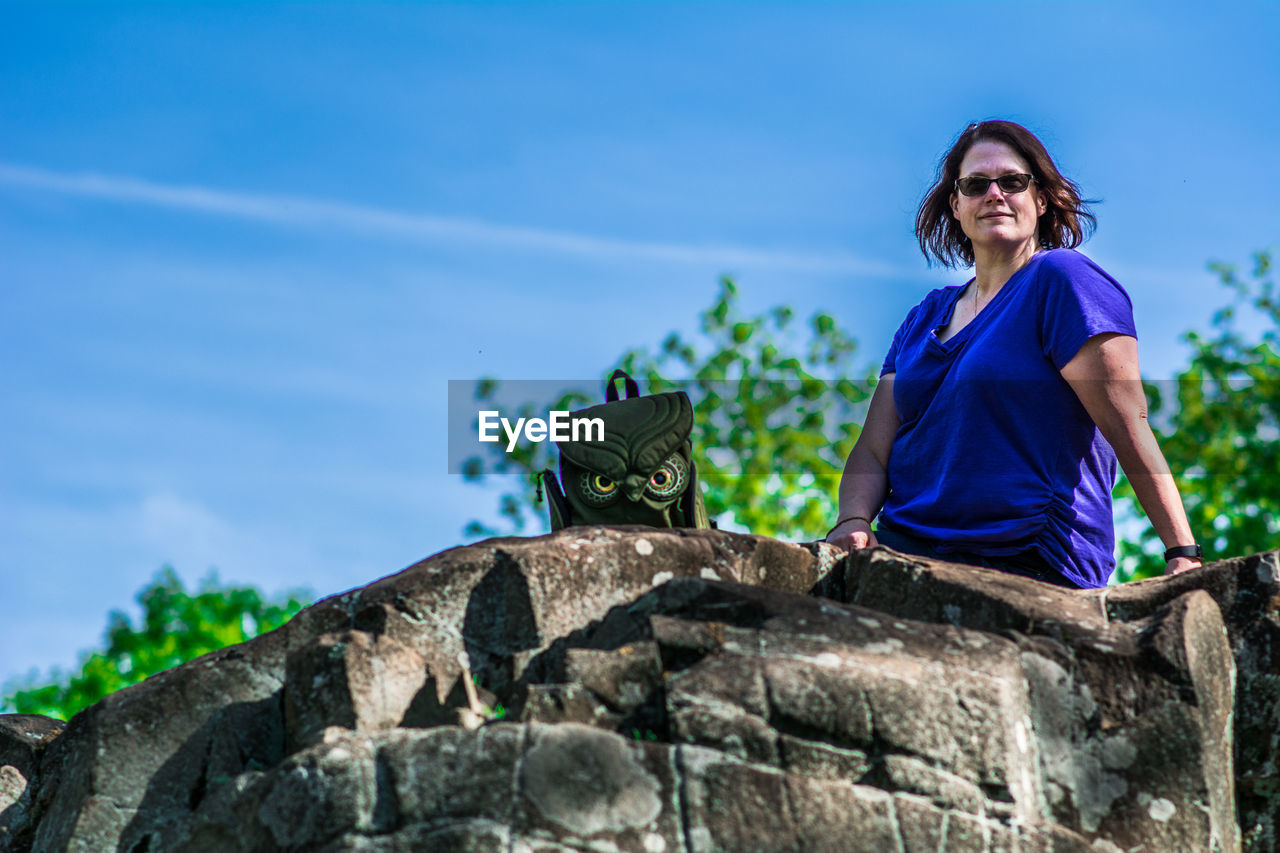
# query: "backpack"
[[642, 472]]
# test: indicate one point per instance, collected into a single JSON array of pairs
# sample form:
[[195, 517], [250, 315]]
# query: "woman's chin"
[[1003, 241]]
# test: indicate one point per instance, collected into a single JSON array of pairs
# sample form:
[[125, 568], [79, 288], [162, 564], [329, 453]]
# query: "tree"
[[176, 627], [1222, 437], [771, 428], [770, 436], [526, 459]]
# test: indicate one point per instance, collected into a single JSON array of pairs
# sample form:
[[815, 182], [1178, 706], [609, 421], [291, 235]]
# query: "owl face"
[[661, 487], [640, 472]]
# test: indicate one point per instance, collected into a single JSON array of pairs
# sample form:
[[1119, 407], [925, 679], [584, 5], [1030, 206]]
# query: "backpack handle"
[[611, 390]]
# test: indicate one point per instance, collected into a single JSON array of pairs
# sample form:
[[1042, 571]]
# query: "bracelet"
[[848, 518], [1195, 552]]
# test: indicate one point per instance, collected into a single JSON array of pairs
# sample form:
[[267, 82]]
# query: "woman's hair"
[[1066, 222]]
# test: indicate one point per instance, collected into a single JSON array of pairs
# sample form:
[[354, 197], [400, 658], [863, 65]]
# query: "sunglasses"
[[978, 185]]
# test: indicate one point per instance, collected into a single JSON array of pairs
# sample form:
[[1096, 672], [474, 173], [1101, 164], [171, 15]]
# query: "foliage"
[[176, 627], [1222, 438], [770, 436], [527, 458], [775, 435]]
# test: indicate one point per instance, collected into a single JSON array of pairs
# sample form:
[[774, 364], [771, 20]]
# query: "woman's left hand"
[[1178, 565]]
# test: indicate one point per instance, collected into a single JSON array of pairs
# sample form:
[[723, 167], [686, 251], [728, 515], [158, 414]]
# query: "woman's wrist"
[[1190, 552], [845, 519]]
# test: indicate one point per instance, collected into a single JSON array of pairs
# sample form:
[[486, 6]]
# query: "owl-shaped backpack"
[[641, 473]]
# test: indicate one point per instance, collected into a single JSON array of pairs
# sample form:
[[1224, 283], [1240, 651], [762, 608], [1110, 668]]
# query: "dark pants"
[[1027, 563]]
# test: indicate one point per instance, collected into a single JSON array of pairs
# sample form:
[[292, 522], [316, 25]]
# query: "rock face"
[[636, 689]]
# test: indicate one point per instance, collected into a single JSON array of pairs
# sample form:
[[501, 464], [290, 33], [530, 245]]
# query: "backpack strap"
[[693, 511], [561, 515], [611, 390]]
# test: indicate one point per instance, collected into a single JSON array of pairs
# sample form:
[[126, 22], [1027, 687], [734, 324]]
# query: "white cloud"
[[186, 532], [297, 211], [190, 536]]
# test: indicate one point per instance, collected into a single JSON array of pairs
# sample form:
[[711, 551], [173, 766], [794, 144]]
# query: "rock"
[[23, 737], [354, 679], [1246, 591], [679, 690]]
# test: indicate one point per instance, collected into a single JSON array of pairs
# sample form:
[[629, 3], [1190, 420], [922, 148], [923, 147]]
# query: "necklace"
[[975, 309]]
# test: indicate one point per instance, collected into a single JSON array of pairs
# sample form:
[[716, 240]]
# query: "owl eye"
[[670, 478], [597, 489]]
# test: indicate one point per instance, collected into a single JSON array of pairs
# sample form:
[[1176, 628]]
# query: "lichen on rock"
[[682, 690]]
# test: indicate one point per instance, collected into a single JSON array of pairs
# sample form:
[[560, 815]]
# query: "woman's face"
[[997, 220]]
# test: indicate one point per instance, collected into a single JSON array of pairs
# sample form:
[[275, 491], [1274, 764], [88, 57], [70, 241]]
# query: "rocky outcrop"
[[635, 689], [23, 737]]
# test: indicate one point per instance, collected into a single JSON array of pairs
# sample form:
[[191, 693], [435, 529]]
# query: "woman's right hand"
[[854, 535], [864, 483]]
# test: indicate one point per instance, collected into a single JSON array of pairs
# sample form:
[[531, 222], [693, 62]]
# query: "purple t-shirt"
[[996, 454]]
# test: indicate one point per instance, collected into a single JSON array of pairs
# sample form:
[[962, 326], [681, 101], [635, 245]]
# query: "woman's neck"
[[992, 267]]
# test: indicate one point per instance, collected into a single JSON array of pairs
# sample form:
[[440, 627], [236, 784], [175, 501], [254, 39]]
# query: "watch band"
[[1195, 552]]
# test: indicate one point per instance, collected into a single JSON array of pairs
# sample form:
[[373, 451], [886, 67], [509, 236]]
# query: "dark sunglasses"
[[978, 185]]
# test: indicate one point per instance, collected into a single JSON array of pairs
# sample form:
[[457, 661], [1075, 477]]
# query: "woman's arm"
[[1104, 375], [865, 479]]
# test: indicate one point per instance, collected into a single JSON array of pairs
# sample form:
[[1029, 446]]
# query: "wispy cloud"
[[302, 212]]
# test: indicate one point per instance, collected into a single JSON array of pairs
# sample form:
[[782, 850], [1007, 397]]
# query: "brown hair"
[[1066, 222]]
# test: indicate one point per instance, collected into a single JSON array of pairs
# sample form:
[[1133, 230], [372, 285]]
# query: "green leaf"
[[769, 437], [176, 627], [1221, 436]]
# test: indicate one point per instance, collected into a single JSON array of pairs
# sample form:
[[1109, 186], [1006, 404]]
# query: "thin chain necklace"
[[976, 309]]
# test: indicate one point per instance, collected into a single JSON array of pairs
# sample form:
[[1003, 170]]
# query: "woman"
[[1004, 404]]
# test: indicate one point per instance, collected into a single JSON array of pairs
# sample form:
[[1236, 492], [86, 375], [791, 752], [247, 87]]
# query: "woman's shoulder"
[[1066, 262], [928, 311], [936, 303], [940, 296], [1062, 271]]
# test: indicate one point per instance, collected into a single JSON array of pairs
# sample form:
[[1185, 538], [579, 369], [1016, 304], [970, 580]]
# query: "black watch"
[[1195, 552]]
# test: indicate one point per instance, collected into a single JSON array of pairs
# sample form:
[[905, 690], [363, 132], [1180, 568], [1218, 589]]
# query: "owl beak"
[[633, 486]]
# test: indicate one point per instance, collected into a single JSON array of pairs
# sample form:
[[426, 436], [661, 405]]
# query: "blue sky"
[[244, 246]]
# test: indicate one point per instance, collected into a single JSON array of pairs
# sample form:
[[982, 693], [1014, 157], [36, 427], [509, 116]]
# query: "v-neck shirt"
[[995, 453]]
